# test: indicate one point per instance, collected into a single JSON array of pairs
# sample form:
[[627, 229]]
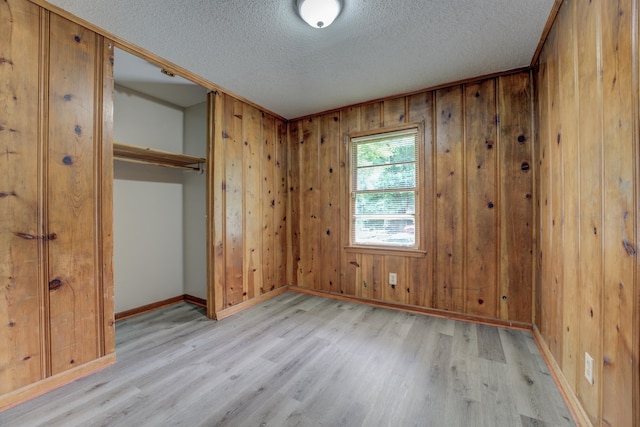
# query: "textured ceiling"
[[262, 51]]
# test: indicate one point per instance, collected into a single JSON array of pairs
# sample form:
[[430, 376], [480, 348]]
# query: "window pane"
[[384, 183], [387, 177], [398, 232], [397, 202], [395, 150]]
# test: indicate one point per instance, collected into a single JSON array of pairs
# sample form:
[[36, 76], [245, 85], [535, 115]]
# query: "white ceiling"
[[262, 51]]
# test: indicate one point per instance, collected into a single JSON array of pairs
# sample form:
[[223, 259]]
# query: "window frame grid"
[[419, 221]]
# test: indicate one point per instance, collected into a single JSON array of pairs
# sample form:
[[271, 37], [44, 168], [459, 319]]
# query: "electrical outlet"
[[393, 278], [588, 367]]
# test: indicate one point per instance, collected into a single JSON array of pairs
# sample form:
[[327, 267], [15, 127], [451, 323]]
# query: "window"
[[384, 189]]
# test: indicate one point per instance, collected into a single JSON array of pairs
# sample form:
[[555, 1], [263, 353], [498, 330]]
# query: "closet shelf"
[[135, 154]]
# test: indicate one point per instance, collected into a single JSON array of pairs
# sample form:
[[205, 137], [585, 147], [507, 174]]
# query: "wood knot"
[[55, 284], [629, 247]]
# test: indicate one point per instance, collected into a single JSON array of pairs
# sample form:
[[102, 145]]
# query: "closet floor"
[[307, 361]]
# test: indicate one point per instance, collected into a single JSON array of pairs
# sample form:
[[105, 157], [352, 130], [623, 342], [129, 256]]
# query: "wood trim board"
[[545, 31], [250, 303], [416, 309], [579, 415], [46, 385], [160, 304]]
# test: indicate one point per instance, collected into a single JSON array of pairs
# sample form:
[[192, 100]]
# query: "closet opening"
[[159, 192]]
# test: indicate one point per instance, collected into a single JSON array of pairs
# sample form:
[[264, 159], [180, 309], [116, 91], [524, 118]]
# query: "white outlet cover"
[[393, 279], [588, 367]]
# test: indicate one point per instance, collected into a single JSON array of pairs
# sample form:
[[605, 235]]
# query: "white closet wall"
[[195, 207], [147, 204]]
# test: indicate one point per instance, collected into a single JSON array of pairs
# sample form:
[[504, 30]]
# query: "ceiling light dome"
[[319, 13]]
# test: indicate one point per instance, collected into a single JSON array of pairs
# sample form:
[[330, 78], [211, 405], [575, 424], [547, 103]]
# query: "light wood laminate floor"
[[301, 360]]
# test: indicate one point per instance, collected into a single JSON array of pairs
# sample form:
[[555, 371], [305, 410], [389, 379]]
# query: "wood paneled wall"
[[587, 293], [21, 273], [56, 285], [249, 164], [478, 201]]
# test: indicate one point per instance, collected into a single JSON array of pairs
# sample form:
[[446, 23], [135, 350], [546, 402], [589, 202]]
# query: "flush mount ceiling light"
[[319, 13]]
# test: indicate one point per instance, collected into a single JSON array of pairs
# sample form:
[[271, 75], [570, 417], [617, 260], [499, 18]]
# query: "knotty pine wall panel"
[[249, 161], [293, 199], [591, 207], [56, 244], [74, 301], [420, 109], [570, 166], [280, 204], [329, 210], [515, 177], [588, 152], [351, 280], [310, 189], [620, 187], [450, 235], [475, 135], [481, 174], [253, 226], [267, 199], [22, 272]]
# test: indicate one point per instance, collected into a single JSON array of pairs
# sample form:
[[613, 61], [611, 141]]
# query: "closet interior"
[[159, 192]]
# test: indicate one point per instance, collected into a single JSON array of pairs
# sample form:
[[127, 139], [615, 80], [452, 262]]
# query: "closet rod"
[[151, 156]]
